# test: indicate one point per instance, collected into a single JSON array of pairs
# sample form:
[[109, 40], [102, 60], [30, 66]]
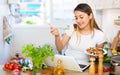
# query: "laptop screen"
[[68, 62]]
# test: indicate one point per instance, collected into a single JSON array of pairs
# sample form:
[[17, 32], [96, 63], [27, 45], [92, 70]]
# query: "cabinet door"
[[115, 4], [102, 4], [107, 4]]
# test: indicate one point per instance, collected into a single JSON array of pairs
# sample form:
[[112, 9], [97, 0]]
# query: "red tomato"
[[11, 66], [6, 66], [105, 69], [111, 68], [17, 67]]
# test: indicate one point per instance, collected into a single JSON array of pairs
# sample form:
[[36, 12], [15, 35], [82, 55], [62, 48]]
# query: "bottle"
[[92, 66], [100, 65], [109, 52], [59, 70]]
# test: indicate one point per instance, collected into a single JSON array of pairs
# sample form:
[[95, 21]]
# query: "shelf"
[[117, 22]]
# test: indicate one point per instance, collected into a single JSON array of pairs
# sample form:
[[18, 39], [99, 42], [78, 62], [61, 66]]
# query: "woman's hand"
[[54, 31]]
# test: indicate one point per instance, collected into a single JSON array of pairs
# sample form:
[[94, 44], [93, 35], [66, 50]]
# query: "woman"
[[115, 41], [84, 34]]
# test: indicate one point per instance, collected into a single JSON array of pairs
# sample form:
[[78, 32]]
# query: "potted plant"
[[38, 54]]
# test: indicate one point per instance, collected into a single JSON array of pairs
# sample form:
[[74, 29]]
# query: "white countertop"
[[2, 72]]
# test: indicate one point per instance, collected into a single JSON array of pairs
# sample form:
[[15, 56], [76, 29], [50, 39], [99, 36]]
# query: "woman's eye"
[[81, 17], [76, 18]]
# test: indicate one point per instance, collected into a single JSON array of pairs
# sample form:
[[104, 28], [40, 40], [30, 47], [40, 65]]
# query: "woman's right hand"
[[54, 31]]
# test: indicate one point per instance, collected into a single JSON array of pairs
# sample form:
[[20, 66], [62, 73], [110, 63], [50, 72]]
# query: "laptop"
[[68, 62]]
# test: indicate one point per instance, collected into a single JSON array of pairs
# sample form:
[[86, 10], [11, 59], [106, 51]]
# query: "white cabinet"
[[102, 4], [99, 4], [115, 3], [107, 4], [13, 1]]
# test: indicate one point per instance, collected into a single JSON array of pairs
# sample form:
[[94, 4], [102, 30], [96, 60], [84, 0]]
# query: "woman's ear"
[[91, 15]]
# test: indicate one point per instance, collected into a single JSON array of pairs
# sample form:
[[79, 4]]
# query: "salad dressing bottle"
[[59, 70]]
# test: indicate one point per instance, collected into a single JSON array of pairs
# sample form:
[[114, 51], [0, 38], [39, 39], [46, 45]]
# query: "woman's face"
[[82, 19]]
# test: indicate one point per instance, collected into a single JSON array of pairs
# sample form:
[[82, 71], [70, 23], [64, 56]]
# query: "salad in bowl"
[[92, 51]]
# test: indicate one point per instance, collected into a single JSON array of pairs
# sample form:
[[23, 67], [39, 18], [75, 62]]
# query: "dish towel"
[[7, 30]]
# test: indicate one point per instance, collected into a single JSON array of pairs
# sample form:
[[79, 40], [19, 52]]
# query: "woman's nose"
[[78, 20]]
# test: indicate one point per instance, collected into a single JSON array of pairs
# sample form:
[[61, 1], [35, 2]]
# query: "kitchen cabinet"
[[13, 1], [115, 3], [117, 22], [102, 4], [106, 4]]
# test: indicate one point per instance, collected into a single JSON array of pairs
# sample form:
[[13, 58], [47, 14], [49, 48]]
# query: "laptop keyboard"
[[82, 66]]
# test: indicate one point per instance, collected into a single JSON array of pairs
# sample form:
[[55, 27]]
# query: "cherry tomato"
[[17, 67], [6, 66], [105, 69], [111, 68], [11, 66]]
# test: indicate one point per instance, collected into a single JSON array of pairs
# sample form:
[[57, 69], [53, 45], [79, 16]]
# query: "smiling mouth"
[[79, 24]]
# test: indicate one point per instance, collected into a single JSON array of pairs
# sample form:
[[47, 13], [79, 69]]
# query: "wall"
[[37, 35], [40, 35], [4, 47], [108, 22]]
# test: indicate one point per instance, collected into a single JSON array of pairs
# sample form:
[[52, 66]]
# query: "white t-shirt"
[[77, 46]]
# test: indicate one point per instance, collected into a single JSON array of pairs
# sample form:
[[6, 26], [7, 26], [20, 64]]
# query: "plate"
[[95, 51]]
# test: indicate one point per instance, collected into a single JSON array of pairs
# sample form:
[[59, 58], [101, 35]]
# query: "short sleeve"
[[101, 37]]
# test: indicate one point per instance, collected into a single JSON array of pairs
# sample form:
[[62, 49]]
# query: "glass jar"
[[59, 70]]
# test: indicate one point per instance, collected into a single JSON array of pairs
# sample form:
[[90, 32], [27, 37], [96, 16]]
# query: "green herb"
[[38, 54], [106, 59]]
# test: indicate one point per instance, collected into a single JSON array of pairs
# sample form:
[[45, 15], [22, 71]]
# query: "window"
[[29, 11], [44, 11], [62, 11]]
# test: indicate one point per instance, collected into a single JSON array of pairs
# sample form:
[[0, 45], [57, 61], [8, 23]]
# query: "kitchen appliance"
[[115, 61]]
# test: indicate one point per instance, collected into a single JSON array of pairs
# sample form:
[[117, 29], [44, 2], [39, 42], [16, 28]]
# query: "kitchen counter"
[[68, 72], [49, 72]]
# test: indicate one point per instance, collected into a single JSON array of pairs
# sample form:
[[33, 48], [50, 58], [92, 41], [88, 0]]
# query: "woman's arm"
[[115, 41], [60, 43], [100, 45]]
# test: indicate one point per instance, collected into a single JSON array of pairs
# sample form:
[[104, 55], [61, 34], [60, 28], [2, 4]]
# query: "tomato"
[[111, 68], [105, 69], [11, 66], [17, 67], [6, 66]]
